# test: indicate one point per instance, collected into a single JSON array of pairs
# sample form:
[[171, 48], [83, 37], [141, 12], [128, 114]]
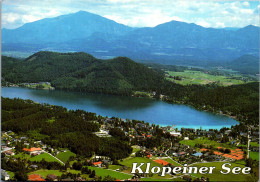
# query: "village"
[[160, 146]]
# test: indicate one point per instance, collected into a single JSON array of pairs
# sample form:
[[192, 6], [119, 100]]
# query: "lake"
[[145, 109]]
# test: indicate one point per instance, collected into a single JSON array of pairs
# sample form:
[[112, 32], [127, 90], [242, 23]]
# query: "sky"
[[136, 13]]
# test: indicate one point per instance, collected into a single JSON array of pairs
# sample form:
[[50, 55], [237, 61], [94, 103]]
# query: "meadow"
[[199, 77], [64, 156], [44, 156], [218, 176]]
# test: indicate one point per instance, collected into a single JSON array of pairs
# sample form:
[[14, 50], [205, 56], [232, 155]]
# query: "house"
[[34, 151], [9, 152], [4, 148], [97, 164], [181, 153], [219, 136], [33, 166], [186, 138], [35, 177], [160, 161], [227, 132], [243, 134], [4, 175], [175, 134], [23, 138], [198, 154], [105, 162]]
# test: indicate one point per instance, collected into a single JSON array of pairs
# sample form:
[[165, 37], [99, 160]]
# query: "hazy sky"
[[137, 13]]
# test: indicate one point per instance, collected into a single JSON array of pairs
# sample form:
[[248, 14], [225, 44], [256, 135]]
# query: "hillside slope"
[[83, 72], [246, 64]]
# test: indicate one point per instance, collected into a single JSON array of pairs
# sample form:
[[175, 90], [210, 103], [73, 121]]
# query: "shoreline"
[[178, 126]]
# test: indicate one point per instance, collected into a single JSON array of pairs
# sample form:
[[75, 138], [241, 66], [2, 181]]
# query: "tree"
[[21, 176], [227, 151], [93, 174], [109, 178]]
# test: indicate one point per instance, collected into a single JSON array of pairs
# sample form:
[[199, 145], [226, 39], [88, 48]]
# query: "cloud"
[[136, 13]]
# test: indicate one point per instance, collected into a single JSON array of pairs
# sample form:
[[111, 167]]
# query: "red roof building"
[[35, 177], [160, 161], [97, 163]]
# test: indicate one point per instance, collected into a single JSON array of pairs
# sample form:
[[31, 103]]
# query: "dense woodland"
[[59, 127], [84, 73]]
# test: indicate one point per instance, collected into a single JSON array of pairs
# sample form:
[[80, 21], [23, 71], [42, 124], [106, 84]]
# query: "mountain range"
[[104, 38]]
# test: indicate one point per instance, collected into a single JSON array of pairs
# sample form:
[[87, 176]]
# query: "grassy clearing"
[[40, 86], [172, 162], [254, 155], [64, 156], [114, 167], [45, 172], [198, 77], [217, 176], [44, 156], [104, 172], [206, 141], [74, 171], [254, 144], [129, 163]]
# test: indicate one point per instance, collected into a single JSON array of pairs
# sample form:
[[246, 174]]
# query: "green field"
[[217, 176], [206, 141], [45, 172], [114, 167], [198, 77], [44, 86], [172, 162], [44, 156], [254, 155], [64, 156], [253, 144], [104, 172], [129, 163]]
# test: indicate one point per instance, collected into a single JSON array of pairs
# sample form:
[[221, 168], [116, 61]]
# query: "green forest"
[[68, 129], [122, 76]]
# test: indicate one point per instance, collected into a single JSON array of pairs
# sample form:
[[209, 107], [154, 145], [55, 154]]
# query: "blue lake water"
[[148, 110]]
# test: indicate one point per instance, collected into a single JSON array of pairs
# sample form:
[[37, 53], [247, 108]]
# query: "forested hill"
[[82, 72], [59, 127], [246, 64]]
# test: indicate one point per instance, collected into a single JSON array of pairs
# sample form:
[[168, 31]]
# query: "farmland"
[[188, 77]]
